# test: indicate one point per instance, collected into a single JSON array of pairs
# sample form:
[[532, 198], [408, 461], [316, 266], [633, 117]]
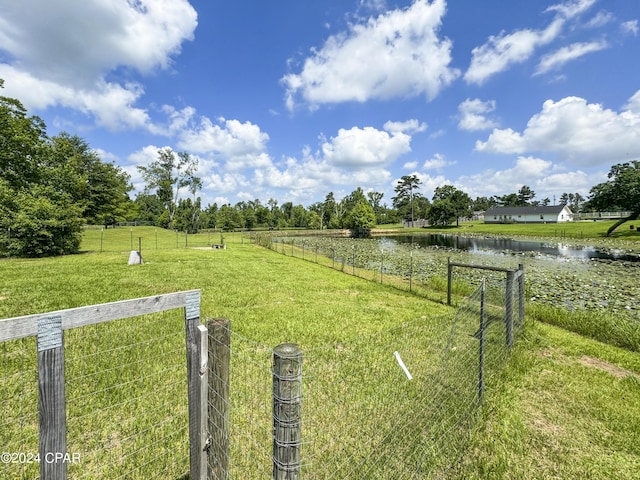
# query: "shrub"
[[38, 222]]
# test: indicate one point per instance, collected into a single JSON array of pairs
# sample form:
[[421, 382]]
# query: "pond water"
[[499, 246]]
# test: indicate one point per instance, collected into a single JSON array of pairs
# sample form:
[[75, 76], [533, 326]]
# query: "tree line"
[[50, 187]]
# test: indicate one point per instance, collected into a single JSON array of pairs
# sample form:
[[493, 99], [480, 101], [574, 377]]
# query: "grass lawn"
[[566, 406], [568, 230], [569, 408]]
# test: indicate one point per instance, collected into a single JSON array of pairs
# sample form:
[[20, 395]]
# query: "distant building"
[[420, 223], [553, 214]]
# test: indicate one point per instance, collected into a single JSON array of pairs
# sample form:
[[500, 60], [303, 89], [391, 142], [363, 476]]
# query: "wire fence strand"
[[131, 371], [394, 404]]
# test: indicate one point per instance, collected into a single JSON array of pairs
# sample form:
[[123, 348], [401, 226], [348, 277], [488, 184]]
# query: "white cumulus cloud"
[[576, 131], [79, 54], [239, 145], [365, 147], [472, 114], [410, 60], [437, 162]]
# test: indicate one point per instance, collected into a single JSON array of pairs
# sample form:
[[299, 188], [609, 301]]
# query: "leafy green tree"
[[314, 220], [148, 208], [38, 222], [450, 202], [299, 217], [525, 196], [37, 217], [442, 212], [333, 211], [168, 175], [229, 218], [574, 201], [209, 216], [22, 139], [361, 219], [316, 209], [508, 200], [620, 192], [285, 219], [374, 199], [406, 194], [101, 189], [482, 204], [187, 218]]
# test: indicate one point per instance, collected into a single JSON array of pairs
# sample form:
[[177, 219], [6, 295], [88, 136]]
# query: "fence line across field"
[[397, 403], [359, 414]]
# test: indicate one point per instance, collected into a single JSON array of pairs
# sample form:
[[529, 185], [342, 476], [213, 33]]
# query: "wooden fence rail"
[[49, 329]]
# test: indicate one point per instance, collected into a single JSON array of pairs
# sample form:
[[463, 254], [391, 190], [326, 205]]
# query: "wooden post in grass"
[[51, 398], [287, 411], [219, 359], [196, 342]]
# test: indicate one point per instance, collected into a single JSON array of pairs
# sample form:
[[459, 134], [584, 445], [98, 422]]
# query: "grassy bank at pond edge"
[[592, 232]]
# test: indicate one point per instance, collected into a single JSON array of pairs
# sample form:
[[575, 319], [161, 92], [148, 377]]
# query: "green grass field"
[[566, 406], [569, 230]]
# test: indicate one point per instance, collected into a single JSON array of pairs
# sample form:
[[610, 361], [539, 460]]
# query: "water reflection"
[[494, 246]]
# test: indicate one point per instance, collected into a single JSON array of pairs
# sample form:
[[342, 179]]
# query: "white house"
[[552, 214]]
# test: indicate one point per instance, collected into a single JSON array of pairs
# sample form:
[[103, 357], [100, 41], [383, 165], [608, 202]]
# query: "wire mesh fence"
[[150, 239], [126, 398], [391, 405], [102, 391], [404, 266], [19, 408], [242, 442], [394, 404]]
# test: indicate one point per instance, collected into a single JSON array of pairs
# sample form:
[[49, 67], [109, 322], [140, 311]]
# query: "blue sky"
[[292, 100]]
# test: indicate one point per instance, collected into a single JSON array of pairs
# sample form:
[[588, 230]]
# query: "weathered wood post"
[[219, 359], [287, 411], [51, 398], [508, 305], [196, 339]]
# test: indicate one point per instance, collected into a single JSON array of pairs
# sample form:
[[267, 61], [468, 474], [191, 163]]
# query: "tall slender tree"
[[406, 192], [168, 175]]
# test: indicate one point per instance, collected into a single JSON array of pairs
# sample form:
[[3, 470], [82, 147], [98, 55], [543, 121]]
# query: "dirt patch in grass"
[[600, 364], [557, 356]]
